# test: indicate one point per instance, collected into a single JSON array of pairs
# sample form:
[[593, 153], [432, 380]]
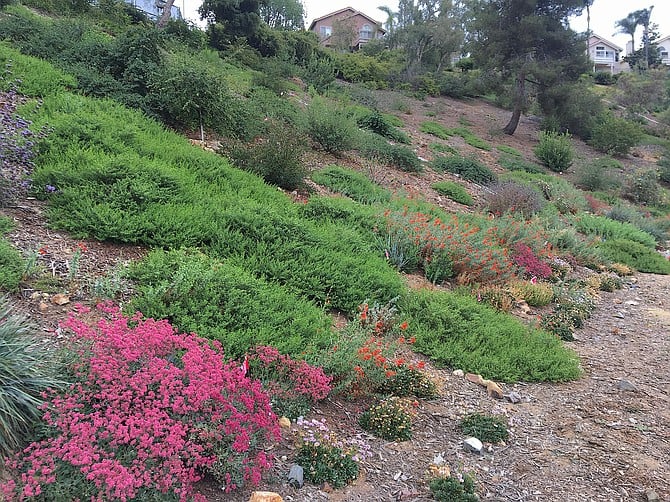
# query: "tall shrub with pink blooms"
[[151, 412]]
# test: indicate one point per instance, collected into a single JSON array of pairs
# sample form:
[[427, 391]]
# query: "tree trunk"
[[519, 102], [165, 16]]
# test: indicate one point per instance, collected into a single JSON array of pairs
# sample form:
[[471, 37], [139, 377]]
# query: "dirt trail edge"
[[605, 437]]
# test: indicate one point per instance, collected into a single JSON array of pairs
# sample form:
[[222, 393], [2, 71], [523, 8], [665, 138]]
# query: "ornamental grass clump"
[[326, 457], [26, 371], [150, 412]]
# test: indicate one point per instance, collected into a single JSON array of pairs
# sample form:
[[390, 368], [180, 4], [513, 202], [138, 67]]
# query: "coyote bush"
[[555, 150]]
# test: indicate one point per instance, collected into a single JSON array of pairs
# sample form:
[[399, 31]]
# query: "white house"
[[604, 54], [154, 8], [664, 49]]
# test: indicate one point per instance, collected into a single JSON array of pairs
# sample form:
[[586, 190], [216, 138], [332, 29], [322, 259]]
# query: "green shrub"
[[340, 210], [442, 148], [331, 128], [572, 107], [611, 229], [451, 489], [594, 176], [610, 283], [388, 419], [577, 303], [635, 255], [27, 370], [406, 382], [454, 191], [513, 197], [436, 129], [555, 150], [486, 428], [379, 124], [664, 168], [323, 463], [12, 265], [223, 302], [513, 163], [563, 196], [535, 295], [37, 78], [373, 146], [277, 157], [471, 139], [604, 78], [459, 332], [468, 168], [351, 183], [642, 187], [615, 136], [509, 150]]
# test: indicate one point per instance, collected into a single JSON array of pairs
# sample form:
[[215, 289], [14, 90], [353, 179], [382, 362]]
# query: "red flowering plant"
[[293, 385], [150, 412], [367, 358], [529, 263]]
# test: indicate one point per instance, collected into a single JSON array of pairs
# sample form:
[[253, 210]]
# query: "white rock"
[[459, 373], [473, 445]]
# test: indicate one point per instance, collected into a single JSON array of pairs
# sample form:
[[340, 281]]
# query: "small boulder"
[[285, 423], [473, 445], [494, 390], [60, 299], [651, 495], [514, 397], [626, 385], [478, 379], [458, 373], [265, 497], [295, 476]]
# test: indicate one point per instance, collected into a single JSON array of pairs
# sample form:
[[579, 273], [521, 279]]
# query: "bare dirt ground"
[[604, 437]]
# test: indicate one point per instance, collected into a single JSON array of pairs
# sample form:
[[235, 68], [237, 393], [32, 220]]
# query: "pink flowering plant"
[[293, 385], [150, 413]]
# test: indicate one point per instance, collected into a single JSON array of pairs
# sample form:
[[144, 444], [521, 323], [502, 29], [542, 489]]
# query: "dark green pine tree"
[[528, 43], [232, 19]]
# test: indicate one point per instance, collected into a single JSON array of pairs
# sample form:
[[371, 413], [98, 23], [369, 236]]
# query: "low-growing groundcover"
[[224, 302], [459, 332], [149, 413]]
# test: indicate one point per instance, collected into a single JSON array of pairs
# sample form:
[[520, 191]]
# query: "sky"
[[604, 13]]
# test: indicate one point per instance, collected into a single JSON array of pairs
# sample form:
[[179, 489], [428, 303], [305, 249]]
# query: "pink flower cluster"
[[297, 376], [525, 259], [151, 410]]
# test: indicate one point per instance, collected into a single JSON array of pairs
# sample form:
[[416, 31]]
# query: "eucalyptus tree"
[[529, 43], [283, 14]]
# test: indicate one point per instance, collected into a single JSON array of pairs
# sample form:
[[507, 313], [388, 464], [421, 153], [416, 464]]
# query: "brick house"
[[346, 27]]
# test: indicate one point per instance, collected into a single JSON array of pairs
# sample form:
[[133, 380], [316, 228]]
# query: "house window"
[[326, 31], [366, 32], [664, 52], [600, 51]]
